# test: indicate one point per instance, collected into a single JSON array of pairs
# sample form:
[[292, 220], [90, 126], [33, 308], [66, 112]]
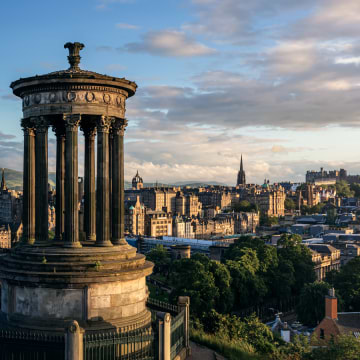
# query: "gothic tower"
[[241, 180]]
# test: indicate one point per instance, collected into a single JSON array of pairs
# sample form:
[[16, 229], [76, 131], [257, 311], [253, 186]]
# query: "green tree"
[[289, 204], [222, 279], [245, 206], [343, 189], [250, 330], [291, 249], [355, 187], [310, 309], [248, 287], [221, 274], [161, 258], [266, 220], [331, 216], [344, 347], [190, 277], [347, 284]]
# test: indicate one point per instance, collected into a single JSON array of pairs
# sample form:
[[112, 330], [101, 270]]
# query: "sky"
[[277, 81]]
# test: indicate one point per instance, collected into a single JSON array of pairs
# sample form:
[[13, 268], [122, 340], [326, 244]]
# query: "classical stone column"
[[71, 181], [28, 216], [118, 211], [60, 131], [41, 180], [111, 139], [89, 130], [102, 189]]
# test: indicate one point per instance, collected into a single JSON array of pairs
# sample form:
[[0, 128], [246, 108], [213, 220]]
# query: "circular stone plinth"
[[102, 288]]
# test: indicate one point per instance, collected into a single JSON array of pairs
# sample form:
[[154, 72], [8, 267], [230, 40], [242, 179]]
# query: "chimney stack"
[[331, 305]]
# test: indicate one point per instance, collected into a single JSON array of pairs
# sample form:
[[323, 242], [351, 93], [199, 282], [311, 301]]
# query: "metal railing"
[[177, 334], [158, 305], [136, 344], [31, 345]]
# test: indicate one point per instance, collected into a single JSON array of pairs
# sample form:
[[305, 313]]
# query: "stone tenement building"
[[182, 227], [10, 204], [5, 237], [205, 229], [157, 199], [187, 204], [269, 199], [215, 197], [325, 258], [135, 217], [246, 222], [158, 223], [57, 286]]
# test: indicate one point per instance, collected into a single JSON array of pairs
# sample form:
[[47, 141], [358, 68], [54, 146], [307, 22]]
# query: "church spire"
[[3, 183], [241, 179]]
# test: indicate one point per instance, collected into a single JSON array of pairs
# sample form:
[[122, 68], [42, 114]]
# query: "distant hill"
[[14, 180], [198, 183]]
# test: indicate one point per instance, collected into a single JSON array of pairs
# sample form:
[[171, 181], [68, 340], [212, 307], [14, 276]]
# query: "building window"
[[322, 334]]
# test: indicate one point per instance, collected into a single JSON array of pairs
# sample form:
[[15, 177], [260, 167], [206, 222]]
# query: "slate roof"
[[348, 322]]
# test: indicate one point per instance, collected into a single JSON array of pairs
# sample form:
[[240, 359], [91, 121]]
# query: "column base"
[[72, 244], [28, 241], [42, 243], [58, 238], [91, 237], [104, 243], [119, 241]]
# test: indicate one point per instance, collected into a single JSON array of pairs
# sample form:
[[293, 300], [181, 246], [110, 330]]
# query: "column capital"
[[72, 121], [59, 130], [103, 123], [118, 126], [27, 127], [41, 124], [89, 130]]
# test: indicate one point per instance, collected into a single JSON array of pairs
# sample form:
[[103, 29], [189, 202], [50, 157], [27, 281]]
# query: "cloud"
[[348, 60], [169, 43], [10, 97], [104, 48], [115, 67], [239, 22], [126, 26], [103, 4]]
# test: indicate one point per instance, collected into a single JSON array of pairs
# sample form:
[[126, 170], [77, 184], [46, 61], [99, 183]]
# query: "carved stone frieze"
[[78, 96]]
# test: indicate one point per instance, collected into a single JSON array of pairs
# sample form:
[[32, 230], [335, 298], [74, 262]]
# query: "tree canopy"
[[343, 189], [289, 204], [347, 284], [310, 309], [245, 206]]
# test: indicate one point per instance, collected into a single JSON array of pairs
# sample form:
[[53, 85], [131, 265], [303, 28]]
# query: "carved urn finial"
[[74, 54]]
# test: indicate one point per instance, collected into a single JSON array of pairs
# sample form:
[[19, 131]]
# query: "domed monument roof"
[[73, 90]]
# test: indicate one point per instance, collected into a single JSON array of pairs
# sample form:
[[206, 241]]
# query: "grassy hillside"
[[14, 179]]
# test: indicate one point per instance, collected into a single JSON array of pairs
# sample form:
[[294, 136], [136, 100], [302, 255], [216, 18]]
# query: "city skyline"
[[275, 81]]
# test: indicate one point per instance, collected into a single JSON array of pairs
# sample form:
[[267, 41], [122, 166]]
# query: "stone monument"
[[100, 282]]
